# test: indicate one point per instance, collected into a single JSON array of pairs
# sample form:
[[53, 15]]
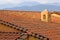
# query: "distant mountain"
[[33, 6], [29, 3], [57, 4]]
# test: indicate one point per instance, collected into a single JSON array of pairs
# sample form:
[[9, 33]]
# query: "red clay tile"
[[32, 22]]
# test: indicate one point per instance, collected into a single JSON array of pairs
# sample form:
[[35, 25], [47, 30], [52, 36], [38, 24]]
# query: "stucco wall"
[[55, 18]]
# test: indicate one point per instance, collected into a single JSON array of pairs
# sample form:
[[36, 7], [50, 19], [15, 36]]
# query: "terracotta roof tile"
[[47, 29], [9, 35]]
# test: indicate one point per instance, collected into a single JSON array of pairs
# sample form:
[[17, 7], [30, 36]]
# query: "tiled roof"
[[33, 24], [24, 33], [12, 35], [9, 35]]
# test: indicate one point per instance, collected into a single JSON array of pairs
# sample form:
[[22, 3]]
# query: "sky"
[[13, 3]]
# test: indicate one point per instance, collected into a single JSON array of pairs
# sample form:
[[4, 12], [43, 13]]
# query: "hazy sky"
[[12, 3], [20, 1]]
